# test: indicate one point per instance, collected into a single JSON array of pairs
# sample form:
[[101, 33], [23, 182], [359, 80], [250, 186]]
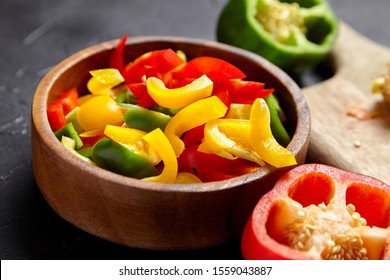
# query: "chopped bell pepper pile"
[[162, 119]]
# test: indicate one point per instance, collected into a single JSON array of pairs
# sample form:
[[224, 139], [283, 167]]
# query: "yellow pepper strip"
[[229, 138], [239, 111], [179, 97], [193, 115], [263, 141], [132, 139], [103, 80], [187, 178], [70, 144], [92, 133], [157, 140]]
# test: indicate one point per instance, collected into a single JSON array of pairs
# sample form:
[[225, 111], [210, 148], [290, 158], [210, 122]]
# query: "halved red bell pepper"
[[320, 212]]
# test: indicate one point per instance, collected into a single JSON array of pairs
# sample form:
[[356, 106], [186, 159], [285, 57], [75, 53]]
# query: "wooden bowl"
[[154, 215]]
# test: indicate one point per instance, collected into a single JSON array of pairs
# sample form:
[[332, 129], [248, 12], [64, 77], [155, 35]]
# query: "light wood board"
[[344, 141]]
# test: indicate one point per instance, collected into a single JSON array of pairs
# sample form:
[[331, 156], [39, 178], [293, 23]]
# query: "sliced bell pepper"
[[71, 117], [115, 157], [151, 64], [144, 119], [187, 178], [160, 143], [210, 167], [99, 111], [56, 116], [69, 131], [214, 68], [229, 138], [192, 116], [290, 34], [277, 115], [320, 212], [179, 97], [103, 80], [70, 144], [245, 92], [263, 142], [133, 140], [117, 55], [60, 107]]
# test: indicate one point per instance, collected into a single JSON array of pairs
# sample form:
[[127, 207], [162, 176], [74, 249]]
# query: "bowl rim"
[[41, 124]]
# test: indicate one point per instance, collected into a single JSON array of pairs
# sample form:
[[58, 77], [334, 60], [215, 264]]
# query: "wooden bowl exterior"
[[151, 215]]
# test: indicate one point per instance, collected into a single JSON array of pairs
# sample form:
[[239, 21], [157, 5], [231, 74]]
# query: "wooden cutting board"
[[337, 138]]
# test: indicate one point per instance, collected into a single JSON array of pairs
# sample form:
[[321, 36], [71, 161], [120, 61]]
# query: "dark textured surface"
[[35, 35]]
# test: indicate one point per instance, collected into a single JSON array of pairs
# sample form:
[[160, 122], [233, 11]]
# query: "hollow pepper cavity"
[[320, 212]]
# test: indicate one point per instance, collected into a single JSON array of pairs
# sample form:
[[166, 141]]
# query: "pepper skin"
[[115, 157], [238, 25], [144, 119], [316, 211]]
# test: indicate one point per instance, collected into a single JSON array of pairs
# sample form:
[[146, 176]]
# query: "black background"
[[36, 35]]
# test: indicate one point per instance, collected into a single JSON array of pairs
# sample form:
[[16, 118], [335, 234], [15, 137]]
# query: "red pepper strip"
[[139, 90], [68, 100], [117, 55], [210, 167], [194, 136], [151, 64], [91, 140], [214, 68], [224, 95], [212, 175], [245, 92], [61, 106], [56, 116]]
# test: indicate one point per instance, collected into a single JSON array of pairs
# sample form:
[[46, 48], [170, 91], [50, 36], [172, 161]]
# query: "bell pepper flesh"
[[117, 56], [320, 212], [277, 127], [99, 111], [160, 143], [103, 80], [214, 68], [70, 132], [144, 119], [229, 138], [115, 157], [192, 116], [238, 25], [263, 141], [179, 97], [133, 140]]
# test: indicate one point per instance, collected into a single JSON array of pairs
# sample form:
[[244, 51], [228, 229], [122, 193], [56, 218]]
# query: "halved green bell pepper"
[[291, 34]]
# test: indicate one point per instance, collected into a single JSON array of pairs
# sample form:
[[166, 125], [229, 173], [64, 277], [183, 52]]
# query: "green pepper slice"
[[277, 115], [117, 158], [144, 119], [291, 34], [69, 131]]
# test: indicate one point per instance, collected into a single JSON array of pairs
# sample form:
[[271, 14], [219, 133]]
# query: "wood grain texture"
[[344, 141]]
